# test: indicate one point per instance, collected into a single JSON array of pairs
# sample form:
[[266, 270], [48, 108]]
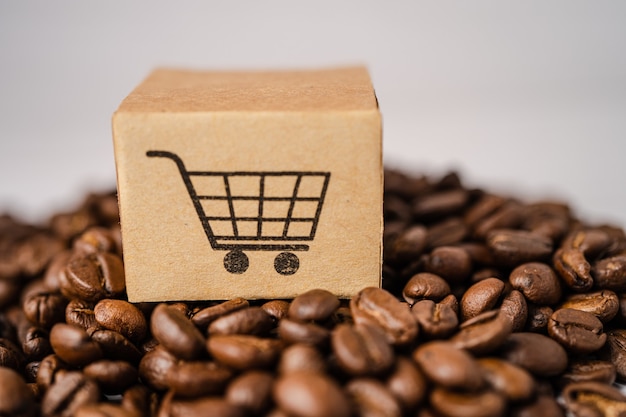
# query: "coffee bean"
[[122, 317], [616, 351], [446, 233], [251, 391], [11, 356], [93, 277], [610, 273], [176, 333], [573, 269], [408, 245], [251, 320], [379, 307], [484, 207], [301, 357], [113, 377], [35, 344], [514, 247], [594, 399], [515, 308], [536, 353], [435, 320], [449, 262], [453, 404], [197, 378], [371, 398], [15, 397], [589, 370], [538, 317], [205, 406], [45, 309], [73, 345], [538, 282], [591, 242], [48, 368], [207, 315], [407, 384], [543, 405], [448, 366], [515, 383], [602, 304], [70, 391], [425, 286], [115, 346], [244, 352], [577, 331], [276, 308], [480, 297], [94, 240], [483, 333], [80, 313], [508, 216], [9, 292], [317, 305], [155, 367], [361, 349], [102, 410], [292, 331], [311, 395], [139, 400]]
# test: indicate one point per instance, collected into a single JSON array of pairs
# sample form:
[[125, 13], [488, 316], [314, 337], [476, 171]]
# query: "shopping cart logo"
[[256, 211]]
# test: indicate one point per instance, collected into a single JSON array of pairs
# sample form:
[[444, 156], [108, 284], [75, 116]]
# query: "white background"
[[526, 97]]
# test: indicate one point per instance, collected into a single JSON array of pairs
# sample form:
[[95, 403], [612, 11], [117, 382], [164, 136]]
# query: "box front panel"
[[254, 205]]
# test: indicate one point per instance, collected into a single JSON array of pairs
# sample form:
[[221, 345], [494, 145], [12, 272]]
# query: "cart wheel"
[[236, 262], [286, 263]]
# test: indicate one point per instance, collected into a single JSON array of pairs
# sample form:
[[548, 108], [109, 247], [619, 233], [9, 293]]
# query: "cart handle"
[[170, 155]]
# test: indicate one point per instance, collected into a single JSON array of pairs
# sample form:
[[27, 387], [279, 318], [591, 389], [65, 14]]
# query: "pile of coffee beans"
[[490, 307]]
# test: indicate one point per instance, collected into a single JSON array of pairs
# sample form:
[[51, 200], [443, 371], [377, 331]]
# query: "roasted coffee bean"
[[379, 307], [16, 399], [448, 366], [538, 317], [113, 377], [594, 399], [448, 232], [70, 391], [301, 357], [30, 371], [292, 331], [514, 247], [449, 262], [35, 344], [480, 297], [543, 405], [610, 273], [484, 207], [73, 345], [515, 308], [361, 349], [408, 245], [483, 333], [276, 308], [311, 395], [550, 219], [205, 406], [591, 242], [54, 269], [251, 320], [616, 351], [176, 333], [425, 286], [93, 277], [115, 346], [371, 398], [602, 304], [577, 331], [94, 240], [9, 292], [515, 383], [122, 317], [435, 320], [45, 309], [102, 410], [407, 384], [573, 269], [538, 282], [536, 353], [508, 216], [155, 367], [198, 378], [244, 352], [589, 370], [207, 315], [11, 355], [251, 391], [317, 305], [48, 368], [80, 313], [449, 403], [139, 400]]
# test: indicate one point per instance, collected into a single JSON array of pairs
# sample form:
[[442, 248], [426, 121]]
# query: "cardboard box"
[[249, 184]]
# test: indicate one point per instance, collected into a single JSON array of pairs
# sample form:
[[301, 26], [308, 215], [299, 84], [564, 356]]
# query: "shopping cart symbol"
[[256, 211]]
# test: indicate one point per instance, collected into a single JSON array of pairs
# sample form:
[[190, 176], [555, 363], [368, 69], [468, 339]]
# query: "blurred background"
[[526, 98]]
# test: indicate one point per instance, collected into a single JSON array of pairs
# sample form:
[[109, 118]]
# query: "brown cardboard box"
[[249, 184]]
